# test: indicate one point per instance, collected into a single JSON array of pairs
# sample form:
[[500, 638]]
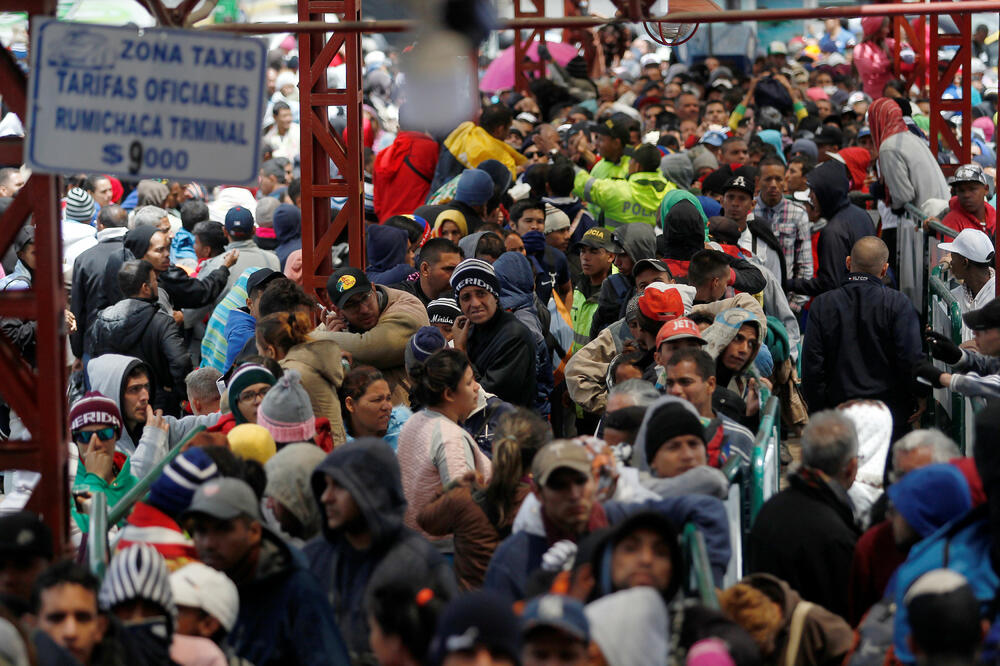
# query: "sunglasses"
[[104, 434]]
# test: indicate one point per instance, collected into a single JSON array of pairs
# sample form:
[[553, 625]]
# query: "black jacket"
[[502, 353], [846, 224], [862, 342], [141, 329], [805, 535], [188, 292], [367, 468], [95, 285]]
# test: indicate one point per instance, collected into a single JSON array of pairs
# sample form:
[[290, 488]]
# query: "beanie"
[[555, 219], [475, 273], [266, 211], [95, 409], [474, 188], [632, 309], [173, 490], [667, 421], [252, 442], [931, 496], [246, 375], [426, 341], [286, 411], [443, 310], [138, 572], [79, 205]]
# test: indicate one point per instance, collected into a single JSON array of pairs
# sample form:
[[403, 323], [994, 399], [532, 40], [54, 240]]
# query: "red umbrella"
[[500, 74]]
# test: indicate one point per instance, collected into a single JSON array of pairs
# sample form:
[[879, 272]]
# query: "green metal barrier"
[[699, 569], [97, 539], [738, 513], [939, 293], [124, 505], [765, 465]]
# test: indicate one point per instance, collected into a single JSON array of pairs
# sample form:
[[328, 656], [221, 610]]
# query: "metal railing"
[[765, 464], [700, 579], [97, 536], [737, 511]]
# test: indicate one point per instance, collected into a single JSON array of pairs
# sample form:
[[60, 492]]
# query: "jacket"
[[910, 171], [503, 354], [825, 637], [484, 420], [467, 147], [139, 327], [240, 327], [587, 369], [106, 374], [876, 558], [608, 169], [520, 554], [805, 535], [976, 375], [214, 348], [403, 173], [21, 332], [251, 256], [318, 364], [585, 304], [880, 326], [462, 511], [573, 207], [284, 617], [367, 468], [634, 200], [517, 296], [846, 224], [289, 237], [188, 292], [95, 282], [386, 248], [958, 219], [639, 242], [87, 482], [383, 346]]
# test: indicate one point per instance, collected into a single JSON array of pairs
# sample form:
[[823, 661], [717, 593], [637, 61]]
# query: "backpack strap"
[[795, 631]]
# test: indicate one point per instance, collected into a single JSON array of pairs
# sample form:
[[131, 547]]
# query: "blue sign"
[[152, 103]]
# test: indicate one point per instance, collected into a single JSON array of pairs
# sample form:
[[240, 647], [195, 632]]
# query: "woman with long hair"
[[434, 450], [366, 405], [480, 515], [284, 336]]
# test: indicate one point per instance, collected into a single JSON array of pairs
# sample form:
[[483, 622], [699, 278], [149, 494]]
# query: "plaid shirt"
[[790, 224]]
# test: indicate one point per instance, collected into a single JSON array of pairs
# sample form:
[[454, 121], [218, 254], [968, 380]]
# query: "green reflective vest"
[[582, 314], [623, 201]]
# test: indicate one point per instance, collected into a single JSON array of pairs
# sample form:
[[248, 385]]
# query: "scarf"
[[885, 119]]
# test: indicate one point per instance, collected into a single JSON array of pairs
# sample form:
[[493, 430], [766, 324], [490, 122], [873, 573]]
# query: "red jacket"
[[403, 173], [958, 219]]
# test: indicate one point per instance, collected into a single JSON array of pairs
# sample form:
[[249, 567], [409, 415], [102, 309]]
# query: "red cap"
[[679, 329], [661, 302]]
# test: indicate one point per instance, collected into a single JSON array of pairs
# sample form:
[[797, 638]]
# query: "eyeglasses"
[[532, 154], [104, 434], [250, 396]]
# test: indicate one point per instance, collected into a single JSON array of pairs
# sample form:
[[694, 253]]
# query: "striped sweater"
[[434, 451]]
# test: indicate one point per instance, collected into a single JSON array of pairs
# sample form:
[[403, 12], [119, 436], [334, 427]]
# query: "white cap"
[[650, 59], [972, 244], [200, 586]]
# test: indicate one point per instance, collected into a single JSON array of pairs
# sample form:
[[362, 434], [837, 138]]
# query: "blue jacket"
[[288, 232], [284, 617], [386, 253], [368, 469], [240, 327], [182, 247], [520, 554]]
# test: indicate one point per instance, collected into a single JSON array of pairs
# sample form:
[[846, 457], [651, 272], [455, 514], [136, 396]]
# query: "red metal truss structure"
[[37, 396], [525, 68], [941, 129], [320, 144]]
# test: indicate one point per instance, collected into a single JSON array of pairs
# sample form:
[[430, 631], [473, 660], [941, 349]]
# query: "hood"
[[727, 324], [127, 320], [931, 496], [469, 243], [603, 544], [288, 480], [678, 169], [856, 160], [639, 452], [684, 227], [287, 223], [368, 469], [517, 281], [773, 137], [151, 193], [630, 627], [638, 239], [386, 247], [777, 591], [106, 375], [873, 423], [830, 184], [137, 240]]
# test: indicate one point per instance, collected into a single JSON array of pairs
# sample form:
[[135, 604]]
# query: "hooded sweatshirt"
[[288, 480], [631, 627], [288, 233], [368, 469], [678, 169], [386, 249], [721, 333], [639, 242], [517, 296], [846, 224]]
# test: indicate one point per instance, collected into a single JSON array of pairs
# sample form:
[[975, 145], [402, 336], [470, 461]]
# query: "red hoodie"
[[403, 173]]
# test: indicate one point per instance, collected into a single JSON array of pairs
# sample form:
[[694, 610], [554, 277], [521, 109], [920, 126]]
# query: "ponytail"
[[285, 330]]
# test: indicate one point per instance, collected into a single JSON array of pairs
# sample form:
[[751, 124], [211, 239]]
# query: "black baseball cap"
[[984, 318], [599, 237], [828, 135], [260, 279], [345, 283], [741, 183], [616, 130], [24, 535]]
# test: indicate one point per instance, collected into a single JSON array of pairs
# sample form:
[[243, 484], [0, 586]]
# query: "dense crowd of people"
[[484, 445]]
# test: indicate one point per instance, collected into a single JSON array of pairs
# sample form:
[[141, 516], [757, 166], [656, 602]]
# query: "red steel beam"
[[524, 66], [941, 129], [320, 144]]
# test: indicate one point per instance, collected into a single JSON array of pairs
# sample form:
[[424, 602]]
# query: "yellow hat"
[[252, 442]]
